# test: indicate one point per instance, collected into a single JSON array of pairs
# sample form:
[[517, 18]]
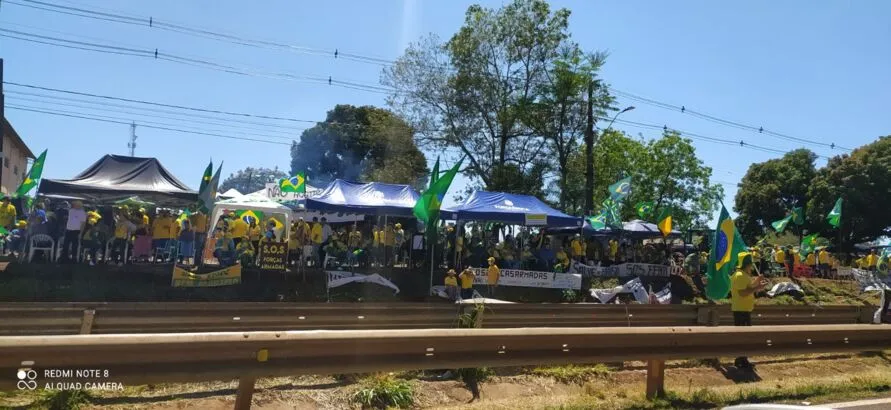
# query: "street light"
[[589, 150]]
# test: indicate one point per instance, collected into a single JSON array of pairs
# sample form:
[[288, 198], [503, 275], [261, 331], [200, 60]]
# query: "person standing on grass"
[[742, 298]]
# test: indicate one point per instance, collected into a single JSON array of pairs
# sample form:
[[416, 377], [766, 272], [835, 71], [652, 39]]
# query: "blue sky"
[[815, 70]]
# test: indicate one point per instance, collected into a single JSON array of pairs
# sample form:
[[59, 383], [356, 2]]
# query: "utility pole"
[[2, 118], [589, 153], [132, 143]]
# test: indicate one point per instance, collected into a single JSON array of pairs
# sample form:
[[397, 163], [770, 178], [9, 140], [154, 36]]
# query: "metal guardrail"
[[190, 357], [114, 317]]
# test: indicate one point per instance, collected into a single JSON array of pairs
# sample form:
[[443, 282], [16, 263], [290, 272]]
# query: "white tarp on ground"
[[340, 278], [784, 287], [633, 286], [531, 279], [869, 281]]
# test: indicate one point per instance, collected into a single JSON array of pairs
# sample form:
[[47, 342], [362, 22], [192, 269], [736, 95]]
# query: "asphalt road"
[[875, 404]]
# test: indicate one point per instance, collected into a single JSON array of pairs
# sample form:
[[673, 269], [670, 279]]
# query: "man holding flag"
[[742, 298]]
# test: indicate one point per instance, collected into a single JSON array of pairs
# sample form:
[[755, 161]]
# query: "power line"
[[149, 21], [114, 120]]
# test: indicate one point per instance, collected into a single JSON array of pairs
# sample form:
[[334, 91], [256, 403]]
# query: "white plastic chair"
[[39, 243]]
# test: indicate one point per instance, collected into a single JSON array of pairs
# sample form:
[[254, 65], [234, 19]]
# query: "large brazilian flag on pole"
[[722, 259]]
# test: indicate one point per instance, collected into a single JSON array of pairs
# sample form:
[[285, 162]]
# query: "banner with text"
[[627, 269], [340, 278], [531, 279], [273, 256], [223, 277]]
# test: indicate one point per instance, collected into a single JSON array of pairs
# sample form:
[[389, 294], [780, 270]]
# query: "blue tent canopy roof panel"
[[507, 208], [373, 198]]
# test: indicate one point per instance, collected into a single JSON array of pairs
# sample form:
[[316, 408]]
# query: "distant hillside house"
[[15, 159]]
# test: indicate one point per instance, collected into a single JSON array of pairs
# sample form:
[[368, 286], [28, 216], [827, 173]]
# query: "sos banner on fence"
[[627, 269], [531, 279], [223, 277], [273, 256]]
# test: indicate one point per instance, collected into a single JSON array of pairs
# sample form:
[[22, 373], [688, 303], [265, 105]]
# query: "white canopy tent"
[[260, 203], [231, 193]]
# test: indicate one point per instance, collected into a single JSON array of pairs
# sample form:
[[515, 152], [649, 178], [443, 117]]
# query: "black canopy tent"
[[116, 177]]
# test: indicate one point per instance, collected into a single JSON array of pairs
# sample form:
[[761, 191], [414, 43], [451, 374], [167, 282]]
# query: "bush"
[[64, 399], [384, 391], [573, 374]]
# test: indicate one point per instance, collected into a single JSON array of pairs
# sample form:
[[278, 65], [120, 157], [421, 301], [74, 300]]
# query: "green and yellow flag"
[[664, 223], [427, 207], [723, 258], [598, 222], [185, 214], [780, 225], [247, 215], [808, 244], [620, 189], [33, 175], [644, 209], [296, 183], [435, 174], [798, 215], [611, 213], [208, 174], [834, 217]]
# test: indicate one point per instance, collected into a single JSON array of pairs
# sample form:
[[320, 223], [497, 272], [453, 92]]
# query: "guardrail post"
[[655, 378], [86, 324], [245, 393]]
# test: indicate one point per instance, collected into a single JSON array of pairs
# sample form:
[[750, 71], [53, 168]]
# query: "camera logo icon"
[[27, 379]]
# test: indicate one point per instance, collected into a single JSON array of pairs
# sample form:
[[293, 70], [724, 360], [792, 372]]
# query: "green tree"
[[863, 179], [664, 170], [467, 94], [251, 179], [360, 144], [770, 189]]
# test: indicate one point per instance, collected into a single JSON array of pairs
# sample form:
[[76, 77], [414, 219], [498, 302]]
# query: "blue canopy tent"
[[373, 198], [507, 208]]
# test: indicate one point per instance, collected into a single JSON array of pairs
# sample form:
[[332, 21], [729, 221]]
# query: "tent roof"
[[507, 208], [635, 229], [373, 198], [231, 193], [115, 177], [253, 202]]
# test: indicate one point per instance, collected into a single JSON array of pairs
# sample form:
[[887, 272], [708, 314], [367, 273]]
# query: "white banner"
[[627, 269], [868, 280], [633, 286], [662, 297], [340, 278], [531, 279]]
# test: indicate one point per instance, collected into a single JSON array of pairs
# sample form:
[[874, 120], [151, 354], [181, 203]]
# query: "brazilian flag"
[[205, 179], [247, 215], [33, 175], [798, 215], [780, 225], [611, 213], [296, 183], [808, 245], [427, 207], [722, 259], [834, 217], [620, 189], [664, 223], [598, 222], [644, 209]]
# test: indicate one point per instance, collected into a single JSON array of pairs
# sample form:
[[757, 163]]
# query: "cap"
[[491, 259], [743, 259]]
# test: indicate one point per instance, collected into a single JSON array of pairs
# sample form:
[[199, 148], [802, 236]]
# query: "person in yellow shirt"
[[145, 222], [7, 214], [315, 237], [493, 275], [162, 230], [742, 298], [122, 230], [613, 250], [823, 263], [811, 261], [872, 260], [238, 228], [451, 285], [578, 248], [255, 233], [389, 244], [467, 276], [780, 257]]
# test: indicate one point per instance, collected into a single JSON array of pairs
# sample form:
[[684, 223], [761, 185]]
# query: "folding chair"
[[42, 242]]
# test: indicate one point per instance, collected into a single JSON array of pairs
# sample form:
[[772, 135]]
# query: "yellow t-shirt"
[[238, 228], [7, 215], [780, 256], [199, 222], [871, 260], [824, 257], [613, 249], [451, 281], [377, 238], [120, 230], [145, 220], [466, 280], [389, 237], [738, 303], [494, 273], [316, 234], [255, 232], [810, 260], [162, 228], [577, 248]]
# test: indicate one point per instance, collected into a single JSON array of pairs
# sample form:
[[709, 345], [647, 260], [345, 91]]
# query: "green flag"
[[611, 213], [834, 216], [644, 209], [33, 176], [248, 214], [780, 225], [798, 215], [208, 195], [296, 183], [598, 222], [722, 259], [808, 243], [664, 221], [427, 207], [185, 214], [205, 179], [620, 189], [435, 174]]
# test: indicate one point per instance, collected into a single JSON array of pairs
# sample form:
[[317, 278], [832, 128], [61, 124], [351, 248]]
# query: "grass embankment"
[[690, 384]]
